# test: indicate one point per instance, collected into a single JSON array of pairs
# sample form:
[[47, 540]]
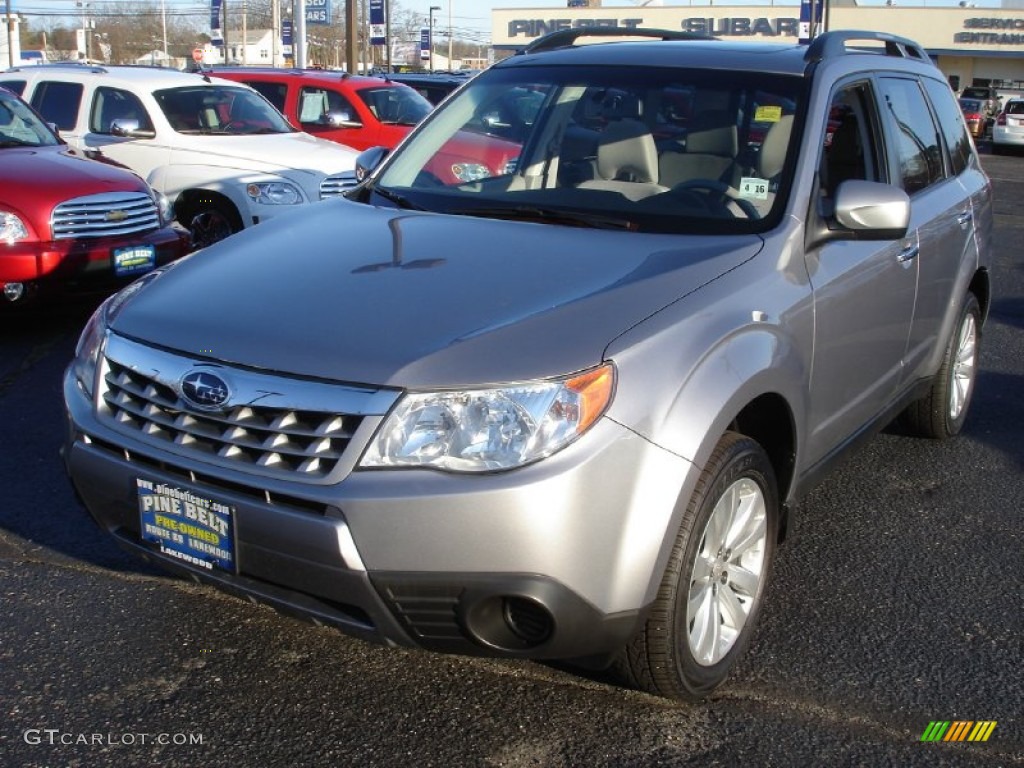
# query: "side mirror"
[[872, 210], [129, 129], [368, 160], [340, 119]]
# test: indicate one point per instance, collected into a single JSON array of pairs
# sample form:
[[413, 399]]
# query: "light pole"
[[430, 35], [85, 28], [10, 34]]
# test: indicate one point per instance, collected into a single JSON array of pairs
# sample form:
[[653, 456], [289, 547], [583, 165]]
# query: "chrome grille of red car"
[[104, 215]]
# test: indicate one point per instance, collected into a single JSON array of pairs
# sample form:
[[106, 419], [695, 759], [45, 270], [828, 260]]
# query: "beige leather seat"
[[627, 161], [772, 156], [771, 159], [709, 154]]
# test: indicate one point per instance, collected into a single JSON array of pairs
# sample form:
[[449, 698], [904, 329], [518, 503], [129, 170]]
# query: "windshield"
[[395, 105], [20, 126], [220, 110], [670, 150]]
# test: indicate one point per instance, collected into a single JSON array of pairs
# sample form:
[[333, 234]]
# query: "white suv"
[[218, 150]]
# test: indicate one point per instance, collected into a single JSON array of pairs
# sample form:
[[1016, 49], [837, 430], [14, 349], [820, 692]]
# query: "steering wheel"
[[719, 195]]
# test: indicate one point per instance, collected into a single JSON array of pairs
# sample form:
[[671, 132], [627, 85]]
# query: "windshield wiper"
[[7, 141], [400, 200], [548, 216]]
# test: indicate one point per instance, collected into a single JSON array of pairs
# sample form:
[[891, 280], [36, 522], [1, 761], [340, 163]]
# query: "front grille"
[[333, 186], [271, 425], [105, 215]]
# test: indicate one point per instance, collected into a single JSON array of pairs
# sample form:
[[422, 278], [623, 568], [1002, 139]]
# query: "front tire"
[[707, 606], [941, 413], [211, 223]]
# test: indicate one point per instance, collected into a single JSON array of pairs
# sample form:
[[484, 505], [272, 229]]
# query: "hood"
[[34, 180], [271, 153], [345, 291]]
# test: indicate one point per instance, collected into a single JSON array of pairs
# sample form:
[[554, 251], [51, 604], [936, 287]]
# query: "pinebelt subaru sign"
[[318, 12]]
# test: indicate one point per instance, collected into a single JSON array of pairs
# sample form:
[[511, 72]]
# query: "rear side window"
[[14, 86], [275, 93], [918, 147], [58, 103], [951, 120]]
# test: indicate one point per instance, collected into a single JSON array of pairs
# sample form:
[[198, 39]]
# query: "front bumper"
[[77, 267], [550, 561]]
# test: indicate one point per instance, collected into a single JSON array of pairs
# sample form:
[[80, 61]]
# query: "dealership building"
[[972, 46]]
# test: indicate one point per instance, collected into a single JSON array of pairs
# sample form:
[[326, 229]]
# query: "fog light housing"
[[510, 623], [14, 291]]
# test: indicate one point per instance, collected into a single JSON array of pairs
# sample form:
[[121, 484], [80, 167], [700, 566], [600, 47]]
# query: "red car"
[[69, 224], [360, 112]]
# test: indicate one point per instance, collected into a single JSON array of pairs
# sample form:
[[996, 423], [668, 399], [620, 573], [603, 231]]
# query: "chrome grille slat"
[[288, 441], [104, 215], [335, 185]]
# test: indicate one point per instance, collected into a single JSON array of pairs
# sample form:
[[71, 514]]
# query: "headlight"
[[470, 171], [12, 228], [163, 206], [484, 430], [274, 193], [89, 349], [94, 336]]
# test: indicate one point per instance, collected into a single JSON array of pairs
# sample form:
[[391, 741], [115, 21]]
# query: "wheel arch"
[[768, 420], [191, 200], [981, 287]]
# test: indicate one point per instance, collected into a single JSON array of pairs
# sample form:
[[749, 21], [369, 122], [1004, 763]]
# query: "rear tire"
[[941, 413], [707, 605]]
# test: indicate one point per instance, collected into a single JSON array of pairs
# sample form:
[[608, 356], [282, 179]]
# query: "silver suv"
[[564, 409]]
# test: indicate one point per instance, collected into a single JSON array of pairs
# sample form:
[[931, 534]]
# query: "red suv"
[[361, 112], [70, 224]]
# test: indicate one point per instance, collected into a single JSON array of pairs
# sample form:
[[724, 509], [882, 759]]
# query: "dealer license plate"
[[194, 529], [134, 260]]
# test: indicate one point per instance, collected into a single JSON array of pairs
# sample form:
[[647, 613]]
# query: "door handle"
[[908, 254], [965, 218]]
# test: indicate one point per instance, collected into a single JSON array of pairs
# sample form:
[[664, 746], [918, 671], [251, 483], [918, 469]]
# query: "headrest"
[[773, 149], [714, 141], [627, 151]]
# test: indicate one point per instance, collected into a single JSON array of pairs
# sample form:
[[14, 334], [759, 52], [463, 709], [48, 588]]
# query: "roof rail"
[[832, 44], [58, 65], [565, 38]]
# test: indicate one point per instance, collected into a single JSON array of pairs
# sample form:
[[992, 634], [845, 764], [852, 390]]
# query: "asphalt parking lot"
[[897, 603]]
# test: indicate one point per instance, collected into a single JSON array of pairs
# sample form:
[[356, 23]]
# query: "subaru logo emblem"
[[204, 390]]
